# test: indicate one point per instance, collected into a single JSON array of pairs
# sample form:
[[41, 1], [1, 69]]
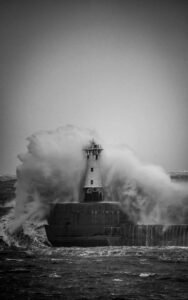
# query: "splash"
[[30, 235], [145, 192], [54, 167], [51, 171]]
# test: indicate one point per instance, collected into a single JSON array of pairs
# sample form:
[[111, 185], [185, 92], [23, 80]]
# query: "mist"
[[53, 170]]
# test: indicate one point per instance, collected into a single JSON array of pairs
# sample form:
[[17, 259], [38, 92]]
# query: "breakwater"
[[154, 235], [105, 224], [97, 224]]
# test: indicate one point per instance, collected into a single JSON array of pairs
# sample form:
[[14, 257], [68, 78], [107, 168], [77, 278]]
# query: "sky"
[[118, 67]]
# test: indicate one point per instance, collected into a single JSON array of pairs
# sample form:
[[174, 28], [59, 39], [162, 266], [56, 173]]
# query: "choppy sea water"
[[93, 273], [31, 269]]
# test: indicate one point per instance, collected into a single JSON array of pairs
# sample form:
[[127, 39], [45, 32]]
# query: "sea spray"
[[31, 235], [145, 191], [53, 170]]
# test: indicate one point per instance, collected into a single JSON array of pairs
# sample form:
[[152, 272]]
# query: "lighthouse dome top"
[[93, 146]]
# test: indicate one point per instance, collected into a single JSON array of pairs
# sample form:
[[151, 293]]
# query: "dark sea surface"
[[94, 273]]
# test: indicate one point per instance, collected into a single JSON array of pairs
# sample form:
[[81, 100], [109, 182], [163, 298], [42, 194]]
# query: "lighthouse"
[[93, 190]]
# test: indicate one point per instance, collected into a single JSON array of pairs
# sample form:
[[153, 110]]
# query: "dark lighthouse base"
[[104, 224]]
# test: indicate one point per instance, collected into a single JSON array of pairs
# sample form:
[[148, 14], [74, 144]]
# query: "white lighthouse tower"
[[93, 185]]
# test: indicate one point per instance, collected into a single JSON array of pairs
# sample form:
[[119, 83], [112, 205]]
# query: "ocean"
[[93, 273]]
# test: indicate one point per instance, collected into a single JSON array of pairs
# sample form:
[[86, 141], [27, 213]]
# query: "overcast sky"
[[120, 67]]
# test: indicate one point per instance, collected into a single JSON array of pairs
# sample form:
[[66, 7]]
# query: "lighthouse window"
[[91, 169], [91, 181]]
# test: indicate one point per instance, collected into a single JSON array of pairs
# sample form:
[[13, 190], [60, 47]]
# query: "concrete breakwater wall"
[[102, 224], [85, 224], [154, 235]]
